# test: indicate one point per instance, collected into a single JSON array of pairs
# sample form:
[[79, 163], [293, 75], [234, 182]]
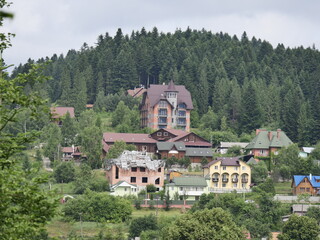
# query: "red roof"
[[128, 137], [58, 112], [137, 92]]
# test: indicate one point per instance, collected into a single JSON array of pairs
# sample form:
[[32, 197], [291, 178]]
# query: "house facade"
[[305, 184], [187, 188], [267, 142], [123, 188], [228, 174], [166, 106], [136, 168]]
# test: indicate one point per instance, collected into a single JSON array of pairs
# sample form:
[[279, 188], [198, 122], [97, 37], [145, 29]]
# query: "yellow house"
[[227, 174]]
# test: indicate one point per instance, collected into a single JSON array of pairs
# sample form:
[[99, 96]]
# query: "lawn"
[[283, 188], [58, 228]]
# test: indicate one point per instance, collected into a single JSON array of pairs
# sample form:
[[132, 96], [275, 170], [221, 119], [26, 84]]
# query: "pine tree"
[[251, 111]]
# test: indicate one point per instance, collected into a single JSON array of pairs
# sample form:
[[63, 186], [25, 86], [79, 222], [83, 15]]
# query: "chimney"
[[310, 176], [278, 133], [270, 135], [72, 148]]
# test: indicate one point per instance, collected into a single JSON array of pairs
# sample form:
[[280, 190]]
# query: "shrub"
[[64, 172], [98, 207]]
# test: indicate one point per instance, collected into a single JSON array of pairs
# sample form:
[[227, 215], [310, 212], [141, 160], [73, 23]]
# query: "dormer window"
[[182, 105]]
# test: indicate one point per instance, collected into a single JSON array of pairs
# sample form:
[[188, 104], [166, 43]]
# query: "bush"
[[64, 172], [98, 207], [142, 224]]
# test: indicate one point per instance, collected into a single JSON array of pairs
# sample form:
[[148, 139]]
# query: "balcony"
[[162, 123], [215, 179], [162, 114], [181, 123], [244, 180], [234, 180], [225, 180]]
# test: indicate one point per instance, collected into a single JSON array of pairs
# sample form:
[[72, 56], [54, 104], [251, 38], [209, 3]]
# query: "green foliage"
[[86, 179], [69, 131], [64, 172], [205, 224], [234, 151], [118, 147], [313, 212], [25, 207], [91, 145], [98, 207], [259, 172], [267, 186], [141, 224], [300, 227], [52, 134], [151, 188]]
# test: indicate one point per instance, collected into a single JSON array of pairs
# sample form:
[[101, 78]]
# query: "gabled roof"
[[171, 87], [58, 112], [189, 181], [128, 137], [122, 184], [199, 152], [157, 92], [267, 139], [314, 180], [307, 149], [136, 92], [166, 146]]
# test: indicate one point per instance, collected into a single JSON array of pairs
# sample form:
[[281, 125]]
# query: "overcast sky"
[[45, 27]]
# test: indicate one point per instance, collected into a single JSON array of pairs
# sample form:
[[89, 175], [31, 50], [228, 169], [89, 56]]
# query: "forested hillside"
[[238, 84]]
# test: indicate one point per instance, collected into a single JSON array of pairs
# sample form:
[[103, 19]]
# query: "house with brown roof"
[[71, 153], [166, 106], [164, 142], [57, 113]]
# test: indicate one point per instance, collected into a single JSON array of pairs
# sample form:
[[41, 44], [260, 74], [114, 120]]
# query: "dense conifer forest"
[[238, 84]]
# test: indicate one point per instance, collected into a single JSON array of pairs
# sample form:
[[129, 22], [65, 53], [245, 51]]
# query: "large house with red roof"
[[165, 143], [166, 106]]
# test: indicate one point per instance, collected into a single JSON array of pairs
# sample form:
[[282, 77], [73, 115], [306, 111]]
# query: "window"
[[159, 133], [133, 169], [117, 173], [133, 179], [224, 185], [216, 167], [196, 198], [172, 188], [234, 185], [125, 189], [236, 168], [308, 189], [302, 189], [172, 120], [243, 168], [144, 179], [181, 188], [165, 134], [159, 169], [224, 168], [215, 184], [244, 185], [157, 181], [142, 169]]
